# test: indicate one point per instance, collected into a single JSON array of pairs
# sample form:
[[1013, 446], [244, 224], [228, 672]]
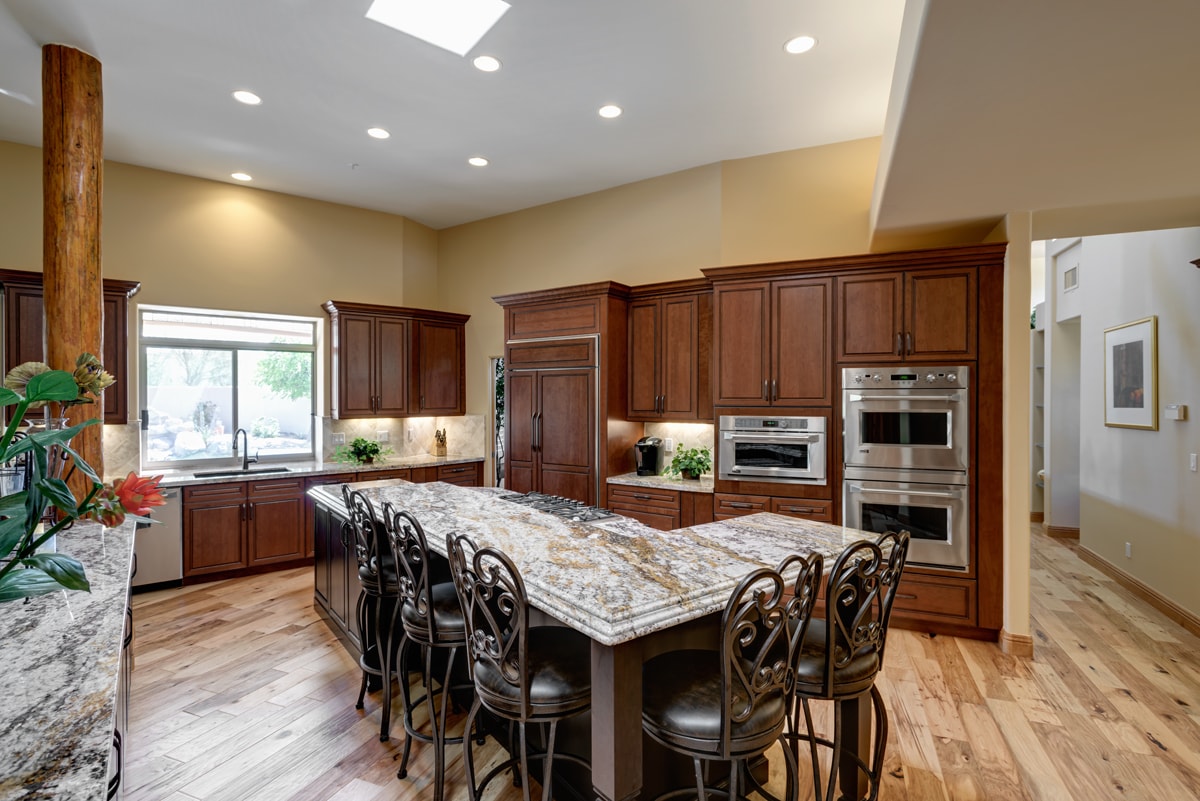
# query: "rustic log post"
[[72, 178]]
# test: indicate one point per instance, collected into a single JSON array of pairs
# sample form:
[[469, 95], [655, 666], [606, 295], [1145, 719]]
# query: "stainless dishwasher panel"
[[159, 546]]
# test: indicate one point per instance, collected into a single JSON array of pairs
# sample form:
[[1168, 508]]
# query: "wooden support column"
[[72, 178]]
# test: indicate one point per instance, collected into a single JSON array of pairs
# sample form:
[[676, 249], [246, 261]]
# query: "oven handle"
[[918, 493], [775, 437], [953, 398]]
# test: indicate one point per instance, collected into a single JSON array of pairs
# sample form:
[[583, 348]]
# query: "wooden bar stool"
[[524, 674]]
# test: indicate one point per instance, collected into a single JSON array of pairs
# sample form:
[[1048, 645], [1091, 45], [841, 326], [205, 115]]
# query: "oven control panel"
[[906, 377]]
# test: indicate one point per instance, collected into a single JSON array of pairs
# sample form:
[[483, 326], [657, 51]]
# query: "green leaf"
[[66, 570], [8, 397], [58, 493], [26, 584], [12, 531], [12, 504], [81, 465], [56, 385]]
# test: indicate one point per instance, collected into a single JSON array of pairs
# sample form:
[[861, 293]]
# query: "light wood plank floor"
[[241, 692]]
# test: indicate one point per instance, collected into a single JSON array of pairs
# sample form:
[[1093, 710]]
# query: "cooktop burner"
[[567, 508]]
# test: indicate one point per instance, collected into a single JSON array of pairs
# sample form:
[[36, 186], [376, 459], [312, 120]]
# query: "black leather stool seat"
[[560, 676], [447, 614], [681, 703]]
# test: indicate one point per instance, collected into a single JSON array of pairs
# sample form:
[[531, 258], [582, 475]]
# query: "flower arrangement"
[[360, 451], [691, 463], [23, 571]]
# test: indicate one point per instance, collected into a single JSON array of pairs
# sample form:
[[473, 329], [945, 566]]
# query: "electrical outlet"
[[339, 439], [381, 436], [1192, 462], [670, 445], [1128, 551], [410, 434]]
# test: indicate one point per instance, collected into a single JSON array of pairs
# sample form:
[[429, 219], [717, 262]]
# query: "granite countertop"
[[615, 579], [61, 653], [704, 484], [182, 478]]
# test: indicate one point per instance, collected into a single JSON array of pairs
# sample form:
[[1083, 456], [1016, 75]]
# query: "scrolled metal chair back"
[[360, 534], [410, 552], [755, 648], [862, 587], [495, 606], [805, 589]]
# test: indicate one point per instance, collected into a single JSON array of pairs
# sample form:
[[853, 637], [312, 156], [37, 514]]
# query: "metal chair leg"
[[406, 696]]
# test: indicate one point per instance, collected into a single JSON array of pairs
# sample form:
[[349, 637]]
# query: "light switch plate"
[[670, 445], [381, 436], [339, 439]]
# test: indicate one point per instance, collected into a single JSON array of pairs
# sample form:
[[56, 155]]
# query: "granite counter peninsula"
[[616, 581]]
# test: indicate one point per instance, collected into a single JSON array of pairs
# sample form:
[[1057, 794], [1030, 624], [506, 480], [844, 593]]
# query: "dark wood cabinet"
[[232, 527], [469, 474], [890, 317], [552, 431], [773, 342], [391, 361], [727, 505], [310, 506], [670, 353], [336, 579], [661, 507], [24, 333]]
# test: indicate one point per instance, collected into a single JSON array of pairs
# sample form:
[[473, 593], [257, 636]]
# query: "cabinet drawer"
[[662, 520], [561, 353], [561, 318], [384, 475], [951, 600], [465, 475], [275, 488], [726, 506], [802, 507], [643, 498], [215, 493]]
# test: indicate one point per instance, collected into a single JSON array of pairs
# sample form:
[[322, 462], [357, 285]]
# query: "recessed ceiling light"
[[610, 111], [249, 98], [477, 161], [240, 176], [454, 25], [487, 63], [378, 133], [801, 44]]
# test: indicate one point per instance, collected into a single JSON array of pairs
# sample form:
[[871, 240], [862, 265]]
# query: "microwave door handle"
[[954, 398], [776, 437], [915, 493]]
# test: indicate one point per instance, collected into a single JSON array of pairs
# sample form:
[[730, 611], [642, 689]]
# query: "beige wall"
[[792, 205], [1135, 485]]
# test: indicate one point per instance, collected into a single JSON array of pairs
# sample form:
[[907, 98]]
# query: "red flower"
[[138, 495]]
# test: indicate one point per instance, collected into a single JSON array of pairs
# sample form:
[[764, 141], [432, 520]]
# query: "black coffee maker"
[[648, 455]]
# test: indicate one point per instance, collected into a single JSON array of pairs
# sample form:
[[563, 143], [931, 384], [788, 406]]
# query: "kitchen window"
[[205, 374]]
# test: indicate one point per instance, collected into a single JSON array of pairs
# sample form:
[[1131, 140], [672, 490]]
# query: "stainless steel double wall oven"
[[906, 453]]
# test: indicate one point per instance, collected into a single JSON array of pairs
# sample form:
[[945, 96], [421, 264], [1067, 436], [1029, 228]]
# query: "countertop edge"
[[703, 485], [184, 478]]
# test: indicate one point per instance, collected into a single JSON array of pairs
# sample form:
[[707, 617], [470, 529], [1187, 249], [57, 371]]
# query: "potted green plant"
[[691, 463], [360, 451]]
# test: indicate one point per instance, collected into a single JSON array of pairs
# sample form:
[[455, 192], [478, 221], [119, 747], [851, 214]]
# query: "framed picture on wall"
[[1131, 374]]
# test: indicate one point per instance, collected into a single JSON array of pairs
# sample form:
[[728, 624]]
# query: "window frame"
[[144, 343]]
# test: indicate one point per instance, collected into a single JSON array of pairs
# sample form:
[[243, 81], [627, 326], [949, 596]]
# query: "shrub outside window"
[[205, 374]]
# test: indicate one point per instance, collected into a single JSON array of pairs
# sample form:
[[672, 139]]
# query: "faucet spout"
[[247, 459]]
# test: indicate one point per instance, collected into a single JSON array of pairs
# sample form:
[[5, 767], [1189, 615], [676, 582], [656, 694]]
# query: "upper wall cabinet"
[[772, 342], [894, 316], [670, 352], [390, 361], [24, 333]]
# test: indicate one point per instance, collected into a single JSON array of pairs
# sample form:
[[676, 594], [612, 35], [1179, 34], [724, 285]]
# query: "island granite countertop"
[[61, 653], [615, 579]]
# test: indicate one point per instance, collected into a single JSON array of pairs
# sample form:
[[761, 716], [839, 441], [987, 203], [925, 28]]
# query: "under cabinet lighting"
[[454, 25]]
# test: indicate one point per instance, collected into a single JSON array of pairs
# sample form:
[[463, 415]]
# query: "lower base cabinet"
[[726, 506], [663, 509], [243, 526]]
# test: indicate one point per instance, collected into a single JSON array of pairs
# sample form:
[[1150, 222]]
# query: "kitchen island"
[[617, 581]]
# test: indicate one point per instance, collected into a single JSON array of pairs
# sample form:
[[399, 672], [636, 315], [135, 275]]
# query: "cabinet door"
[[870, 322], [115, 337], [740, 329], [441, 388], [275, 511], [680, 346], [801, 339], [566, 433], [644, 353], [214, 538], [520, 399], [940, 308], [354, 372], [391, 386]]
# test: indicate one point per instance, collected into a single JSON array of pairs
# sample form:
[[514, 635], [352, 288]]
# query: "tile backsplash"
[[686, 435]]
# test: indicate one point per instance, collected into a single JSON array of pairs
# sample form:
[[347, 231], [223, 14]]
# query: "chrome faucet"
[[247, 459]]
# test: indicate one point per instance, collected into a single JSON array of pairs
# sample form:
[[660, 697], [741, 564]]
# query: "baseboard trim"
[[1018, 645], [1037, 517], [1063, 532], [1148, 594]]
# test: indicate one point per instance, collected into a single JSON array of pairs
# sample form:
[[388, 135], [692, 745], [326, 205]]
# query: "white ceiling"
[[994, 106], [701, 81]]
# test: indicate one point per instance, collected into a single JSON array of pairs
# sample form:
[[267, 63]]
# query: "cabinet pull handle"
[[766, 389], [737, 505], [459, 470], [642, 497], [774, 389], [899, 344], [251, 508], [906, 596], [242, 512], [908, 342]]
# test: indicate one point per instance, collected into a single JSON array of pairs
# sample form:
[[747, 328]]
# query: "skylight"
[[454, 25]]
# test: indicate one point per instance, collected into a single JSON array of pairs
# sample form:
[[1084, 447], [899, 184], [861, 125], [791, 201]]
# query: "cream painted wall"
[[1135, 485]]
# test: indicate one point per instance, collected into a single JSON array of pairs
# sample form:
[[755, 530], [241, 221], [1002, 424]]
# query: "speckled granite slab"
[[59, 656], [182, 478], [614, 580], [704, 484]]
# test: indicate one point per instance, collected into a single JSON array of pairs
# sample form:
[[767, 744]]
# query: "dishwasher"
[[158, 546]]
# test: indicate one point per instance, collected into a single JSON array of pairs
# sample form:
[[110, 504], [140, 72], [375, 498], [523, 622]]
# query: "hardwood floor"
[[241, 692]]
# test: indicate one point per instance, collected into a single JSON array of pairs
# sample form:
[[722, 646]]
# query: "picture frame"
[[1131, 374]]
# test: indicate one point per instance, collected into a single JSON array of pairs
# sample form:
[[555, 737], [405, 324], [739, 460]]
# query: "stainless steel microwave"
[[784, 449]]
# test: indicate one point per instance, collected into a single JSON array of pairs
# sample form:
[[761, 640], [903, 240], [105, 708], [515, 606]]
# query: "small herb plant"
[[360, 451], [691, 462]]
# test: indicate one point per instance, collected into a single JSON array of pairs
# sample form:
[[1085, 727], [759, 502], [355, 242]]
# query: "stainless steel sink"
[[239, 472]]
